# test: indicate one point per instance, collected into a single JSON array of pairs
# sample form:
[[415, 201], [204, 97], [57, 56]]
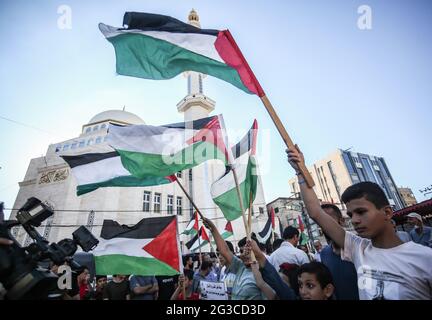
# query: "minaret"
[[195, 105]]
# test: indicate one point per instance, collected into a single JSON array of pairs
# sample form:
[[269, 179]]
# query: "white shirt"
[[288, 253], [400, 273]]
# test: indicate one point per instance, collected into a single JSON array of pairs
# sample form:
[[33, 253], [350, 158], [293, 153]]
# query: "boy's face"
[[310, 288], [368, 220]]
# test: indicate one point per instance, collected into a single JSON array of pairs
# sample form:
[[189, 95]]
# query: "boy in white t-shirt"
[[386, 267]]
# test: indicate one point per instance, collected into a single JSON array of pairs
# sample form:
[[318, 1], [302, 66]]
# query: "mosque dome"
[[117, 116]]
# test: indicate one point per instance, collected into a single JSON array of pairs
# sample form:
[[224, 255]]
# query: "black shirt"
[[116, 291], [166, 286]]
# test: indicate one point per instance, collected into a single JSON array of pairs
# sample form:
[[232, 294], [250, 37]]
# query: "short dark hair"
[[205, 265], [333, 207], [230, 246], [321, 272], [290, 232], [277, 243], [188, 274], [242, 242], [186, 259], [371, 191], [98, 277]]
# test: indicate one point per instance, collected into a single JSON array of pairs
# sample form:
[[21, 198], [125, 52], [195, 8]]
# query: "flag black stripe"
[[79, 160], [145, 229], [157, 22], [266, 229], [244, 145]]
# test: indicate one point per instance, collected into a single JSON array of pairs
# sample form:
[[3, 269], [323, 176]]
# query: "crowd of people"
[[378, 261]]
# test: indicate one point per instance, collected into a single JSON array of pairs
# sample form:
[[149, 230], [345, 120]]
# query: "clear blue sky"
[[333, 85]]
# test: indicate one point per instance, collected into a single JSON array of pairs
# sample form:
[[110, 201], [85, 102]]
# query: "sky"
[[333, 84]]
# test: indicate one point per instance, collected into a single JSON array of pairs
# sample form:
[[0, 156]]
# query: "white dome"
[[117, 115]]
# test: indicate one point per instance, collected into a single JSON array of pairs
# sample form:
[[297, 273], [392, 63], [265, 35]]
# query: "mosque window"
[[95, 128], [88, 130], [103, 126], [98, 140], [65, 147], [73, 145], [81, 144], [90, 142]]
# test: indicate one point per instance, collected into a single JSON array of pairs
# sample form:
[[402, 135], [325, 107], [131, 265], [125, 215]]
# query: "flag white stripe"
[[202, 44], [141, 138], [99, 171], [226, 183], [124, 246]]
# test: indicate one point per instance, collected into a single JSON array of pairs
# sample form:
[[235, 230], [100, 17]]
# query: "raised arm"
[[220, 242], [313, 206]]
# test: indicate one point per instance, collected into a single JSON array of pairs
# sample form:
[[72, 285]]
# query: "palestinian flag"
[[164, 150], [192, 227], [200, 240], [266, 232], [304, 239], [228, 231], [159, 47], [224, 192], [97, 169], [272, 217], [149, 248]]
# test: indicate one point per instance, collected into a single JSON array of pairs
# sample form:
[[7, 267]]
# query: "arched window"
[[90, 142], [98, 140], [65, 147], [103, 126], [73, 145], [88, 130], [82, 143], [95, 128]]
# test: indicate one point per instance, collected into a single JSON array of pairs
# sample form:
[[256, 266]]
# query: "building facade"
[[407, 196], [341, 169], [49, 179]]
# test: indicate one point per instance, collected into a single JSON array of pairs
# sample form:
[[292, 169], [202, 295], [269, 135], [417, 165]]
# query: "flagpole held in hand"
[[189, 197], [248, 231]]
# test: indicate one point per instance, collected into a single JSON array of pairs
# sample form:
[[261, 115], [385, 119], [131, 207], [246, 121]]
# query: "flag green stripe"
[[122, 264], [229, 203], [142, 165], [125, 181], [142, 56]]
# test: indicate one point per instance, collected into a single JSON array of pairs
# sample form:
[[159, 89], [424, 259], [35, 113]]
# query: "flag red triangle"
[[228, 227], [204, 235], [272, 213], [196, 222], [165, 247]]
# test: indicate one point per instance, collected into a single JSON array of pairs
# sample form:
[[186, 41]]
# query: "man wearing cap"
[[419, 234]]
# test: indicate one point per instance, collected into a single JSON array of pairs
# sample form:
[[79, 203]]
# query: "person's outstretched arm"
[[313, 206], [220, 242], [271, 276]]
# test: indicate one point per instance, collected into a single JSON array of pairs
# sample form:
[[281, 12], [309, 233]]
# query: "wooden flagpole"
[[189, 198], [286, 138], [273, 115], [248, 231], [250, 213]]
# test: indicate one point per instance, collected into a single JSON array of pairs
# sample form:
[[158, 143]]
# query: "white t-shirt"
[[288, 253], [400, 273]]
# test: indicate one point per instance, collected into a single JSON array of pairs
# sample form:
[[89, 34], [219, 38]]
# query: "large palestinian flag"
[[103, 168], [150, 247], [164, 150], [160, 47], [224, 192]]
